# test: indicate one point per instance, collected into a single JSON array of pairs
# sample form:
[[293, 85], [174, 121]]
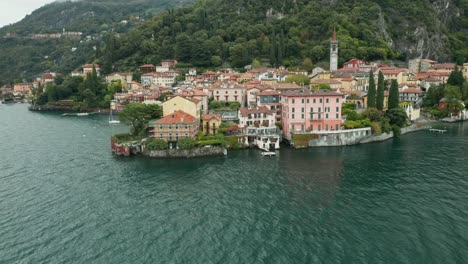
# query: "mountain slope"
[[287, 31], [232, 32], [22, 56]]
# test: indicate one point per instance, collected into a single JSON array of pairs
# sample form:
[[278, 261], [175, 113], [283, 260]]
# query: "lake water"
[[65, 199]]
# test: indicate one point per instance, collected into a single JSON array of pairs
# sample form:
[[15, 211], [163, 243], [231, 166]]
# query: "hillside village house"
[[179, 103], [196, 95], [230, 92], [174, 126], [271, 100], [391, 73], [442, 67], [168, 63], [164, 79], [354, 64], [309, 111], [146, 68], [88, 69], [125, 79], [412, 95], [465, 70], [210, 124], [47, 78]]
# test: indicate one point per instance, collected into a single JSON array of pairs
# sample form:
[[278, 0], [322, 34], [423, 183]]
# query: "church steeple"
[[334, 51]]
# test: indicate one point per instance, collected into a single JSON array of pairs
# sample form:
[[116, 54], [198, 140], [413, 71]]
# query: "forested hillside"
[[22, 57], [286, 32], [212, 33]]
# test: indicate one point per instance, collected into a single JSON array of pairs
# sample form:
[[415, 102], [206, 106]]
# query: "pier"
[[437, 130]]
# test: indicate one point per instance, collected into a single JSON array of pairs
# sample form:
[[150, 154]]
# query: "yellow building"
[[180, 103], [125, 79], [211, 123]]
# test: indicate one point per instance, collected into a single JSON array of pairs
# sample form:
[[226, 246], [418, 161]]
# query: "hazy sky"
[[12, 11]]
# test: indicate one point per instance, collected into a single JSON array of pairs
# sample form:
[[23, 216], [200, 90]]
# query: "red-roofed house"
[[47, 78], [353, 64], [88, 69], [442, 67], [146, 68], [412, 95], [174, 126]]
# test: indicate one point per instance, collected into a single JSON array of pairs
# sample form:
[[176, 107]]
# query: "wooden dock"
[[437, 130]]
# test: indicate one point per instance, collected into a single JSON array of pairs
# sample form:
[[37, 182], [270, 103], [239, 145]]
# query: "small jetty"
[[437, 130], [76, 114]]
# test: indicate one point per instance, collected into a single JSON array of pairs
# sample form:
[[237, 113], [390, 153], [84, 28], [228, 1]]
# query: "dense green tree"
[[380, 92], [183, 48], [299, 79], [157, 144], [456, 78], [397, 116], [186, 143], [433, 95], [394, 96], [239, 56], [307, 65], [256, 64], [138, 115], [371, 94]]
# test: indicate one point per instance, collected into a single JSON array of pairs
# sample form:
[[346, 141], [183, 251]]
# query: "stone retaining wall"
[[205, 151]]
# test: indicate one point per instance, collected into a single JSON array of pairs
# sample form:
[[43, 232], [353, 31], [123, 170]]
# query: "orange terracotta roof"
[[255, 110], [177, 117], [211, 116], [91, 65], [268, 93], [412, 90]]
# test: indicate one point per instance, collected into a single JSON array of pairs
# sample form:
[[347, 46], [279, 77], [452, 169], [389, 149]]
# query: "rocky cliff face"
[[426, 38]]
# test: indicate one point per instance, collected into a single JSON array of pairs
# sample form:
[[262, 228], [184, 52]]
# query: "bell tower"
[[334, 52]]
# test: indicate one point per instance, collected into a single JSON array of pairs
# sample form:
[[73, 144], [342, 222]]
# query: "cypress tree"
[[380, 92], [394, 96], [371, 93]]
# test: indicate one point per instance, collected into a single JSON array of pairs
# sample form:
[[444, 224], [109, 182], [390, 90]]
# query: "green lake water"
[[65, 199]]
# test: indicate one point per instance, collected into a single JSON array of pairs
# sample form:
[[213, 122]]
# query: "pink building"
[[310, 111], [24, 88]]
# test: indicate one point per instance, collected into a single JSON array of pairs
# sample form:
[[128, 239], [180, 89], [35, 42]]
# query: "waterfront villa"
[[310, 111], [259, 128], [22, 88], [174, 126], [210, 124], [256, 116]]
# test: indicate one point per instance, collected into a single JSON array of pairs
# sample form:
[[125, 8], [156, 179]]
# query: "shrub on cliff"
[[186, 143], [157, 144]]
